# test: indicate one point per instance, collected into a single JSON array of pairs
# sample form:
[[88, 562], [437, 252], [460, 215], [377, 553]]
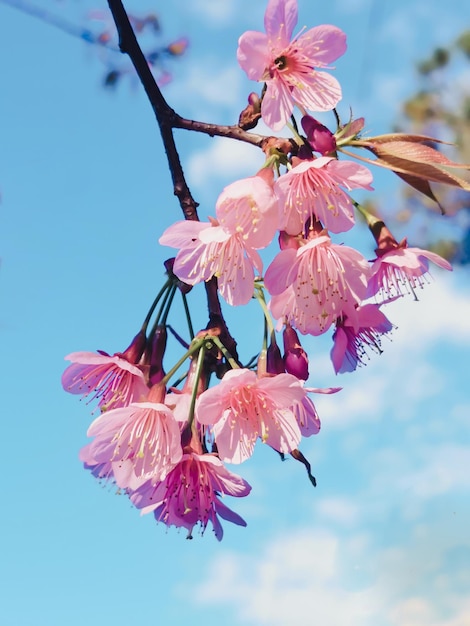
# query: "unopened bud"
[[295, 357], [320, 138]]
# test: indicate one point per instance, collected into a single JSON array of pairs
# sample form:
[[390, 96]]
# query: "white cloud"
[[340, 510], [316, 577], [215, 85], [224, 159], [214, 11]]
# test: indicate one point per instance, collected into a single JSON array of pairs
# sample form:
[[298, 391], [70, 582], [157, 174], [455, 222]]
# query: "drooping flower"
[[306, 413], [249, 208], [189, 494], [113, 380], [247, 219], [397, 268], [353, 340], [316, 284], [144, 433], [314, 189], [243, 408], [289, 68]]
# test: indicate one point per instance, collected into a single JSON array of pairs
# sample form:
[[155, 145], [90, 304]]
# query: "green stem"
[[199, 368], [154, 304], [233, 364], [194, 347], [259, 295]]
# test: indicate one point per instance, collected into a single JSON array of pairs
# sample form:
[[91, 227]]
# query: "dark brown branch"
[[163, 112], [235, 132]]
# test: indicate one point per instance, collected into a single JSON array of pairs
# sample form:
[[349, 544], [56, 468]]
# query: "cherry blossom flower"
[[351, 341], [189, 494], [312, 189], [289, 68], [399, 269], [306, 413], [243, 408], [317, 283], [120, 472], [249, 208], [145, 433], [247, 219], [114, 381]]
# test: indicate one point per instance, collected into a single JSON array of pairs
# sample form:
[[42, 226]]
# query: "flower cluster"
[[165, 444]]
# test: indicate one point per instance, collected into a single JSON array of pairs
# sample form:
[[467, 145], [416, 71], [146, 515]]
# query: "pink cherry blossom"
[[317, 283], [145, 433], [189, 494], [352, 340], [247, 213], [242, 408], [207, 250], [112, 380], [312, 189], [289, 68], [306, 413], [120, 472], [402, 269], [249, 208]]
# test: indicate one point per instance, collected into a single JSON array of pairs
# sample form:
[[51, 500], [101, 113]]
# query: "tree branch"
[[163, 112]]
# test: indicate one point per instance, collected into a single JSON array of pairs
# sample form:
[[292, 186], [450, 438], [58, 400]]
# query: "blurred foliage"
[[440, 108], [96, 27]]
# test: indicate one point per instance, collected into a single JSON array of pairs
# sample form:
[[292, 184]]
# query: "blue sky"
[[384, 539]]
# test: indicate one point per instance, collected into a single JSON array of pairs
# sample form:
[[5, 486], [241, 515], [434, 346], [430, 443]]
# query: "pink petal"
[[280, 19], [322, 44], [320, 92], [278, 273], [179, 234], [253, 55], [277, 105]]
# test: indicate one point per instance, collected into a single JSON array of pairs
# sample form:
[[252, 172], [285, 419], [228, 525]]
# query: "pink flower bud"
[[295, 357], [320, 138]]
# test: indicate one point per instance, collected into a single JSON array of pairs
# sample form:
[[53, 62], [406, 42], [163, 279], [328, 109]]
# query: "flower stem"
[[199, 368], [154, 305]]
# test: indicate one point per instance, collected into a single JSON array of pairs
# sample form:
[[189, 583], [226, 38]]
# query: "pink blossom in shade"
[[249, 208], [145, 433], [189, 494], [290, 68], [306, 413], [353, 339], [401, 270], [313, 189], [119, 472], [243, 408], [317, 283], [208, 250], [112, 380]]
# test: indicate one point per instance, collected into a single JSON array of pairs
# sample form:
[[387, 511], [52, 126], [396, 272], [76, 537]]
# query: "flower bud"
[[320, 138], [136, 349], [275, 364], [295, 357]]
